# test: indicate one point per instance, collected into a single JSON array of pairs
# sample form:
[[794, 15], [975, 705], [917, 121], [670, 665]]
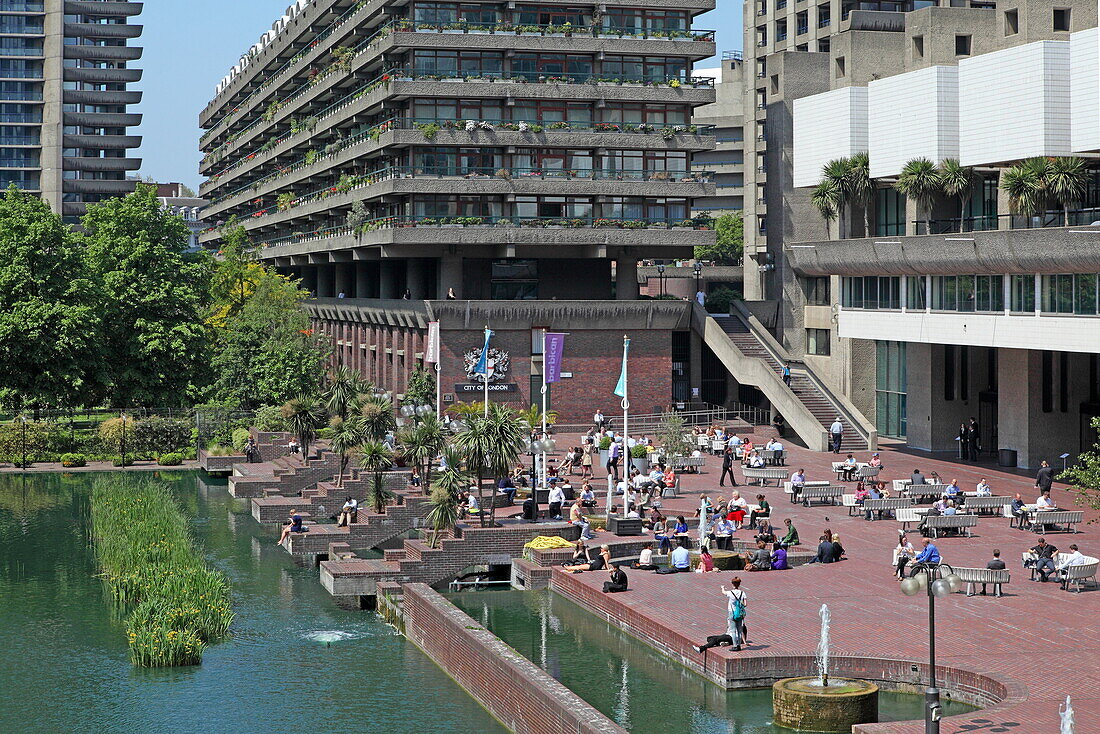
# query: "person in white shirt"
[[348, 512], [645, 559], [983, 489], [556, 498], [1074, 558], [631, 442], [1044, 502], [598, 420]]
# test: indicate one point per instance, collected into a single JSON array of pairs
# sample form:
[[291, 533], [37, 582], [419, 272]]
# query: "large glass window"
[[989, 293], [1023, 294], [816, 291], [915, 294], [1057, 293], [817, 342], [872, 292], [889, 213], [890, 388], [515, 280]]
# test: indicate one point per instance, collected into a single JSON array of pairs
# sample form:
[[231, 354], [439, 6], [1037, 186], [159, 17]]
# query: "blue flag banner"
[[553, 348], [620, 389], [482, 366]]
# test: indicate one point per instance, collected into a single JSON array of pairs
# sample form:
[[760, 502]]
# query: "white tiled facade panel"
[[1015, 104], [913, 115], [1084, 88], [826, 126]]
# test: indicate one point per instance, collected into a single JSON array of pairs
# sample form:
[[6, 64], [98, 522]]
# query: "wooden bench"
[[1043, 519], [980, 505], [962, 523], [829, 493], [764, 474], [887, 504], [983, 576]]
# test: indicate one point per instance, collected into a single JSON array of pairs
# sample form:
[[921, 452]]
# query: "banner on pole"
[[553, 349], [620, 389], [482, 366], [431, 352]]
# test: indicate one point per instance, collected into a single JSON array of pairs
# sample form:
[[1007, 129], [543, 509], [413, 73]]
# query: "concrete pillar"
[[387, 280], [363, 285], [344, 279], [626, 279], [450, 275], [695, 376], [325, 285], [414, 278]]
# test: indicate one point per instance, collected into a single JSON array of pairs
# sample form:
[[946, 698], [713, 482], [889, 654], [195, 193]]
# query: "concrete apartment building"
[[727, 159], [65, 67], [977, 312], [500, 152]]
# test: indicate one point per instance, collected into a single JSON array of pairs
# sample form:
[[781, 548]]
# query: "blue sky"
[[189, 47]]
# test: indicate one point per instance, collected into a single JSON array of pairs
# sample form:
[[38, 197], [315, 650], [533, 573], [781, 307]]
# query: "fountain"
[[1067, 718], [821, 703]]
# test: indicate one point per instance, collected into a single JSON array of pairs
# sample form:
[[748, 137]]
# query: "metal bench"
[[773, 457], [867, 472], [789, 488], [886, 504], [983, 576], [840, 469], [1078, 575], [849, 501], [829, 493], [921, 492], [961, 523], [686, 463], [980, 505], [765, 474], [907, 516], [1043, 519]]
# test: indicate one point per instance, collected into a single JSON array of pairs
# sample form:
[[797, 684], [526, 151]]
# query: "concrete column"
[[325, 285], [344, 279], [450, 275], [626, 279], [695, 369], [414, 278], [363, 284], [387, 280]]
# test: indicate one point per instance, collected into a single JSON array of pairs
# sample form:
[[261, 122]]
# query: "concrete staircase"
[[467, 546], [286, 476]]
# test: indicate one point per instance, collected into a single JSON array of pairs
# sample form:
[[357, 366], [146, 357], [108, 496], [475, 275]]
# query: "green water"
[[65, 667], [626, 680]]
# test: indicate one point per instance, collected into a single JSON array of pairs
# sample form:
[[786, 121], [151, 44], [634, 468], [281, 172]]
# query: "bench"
[[983, 576], [1078, 575], [906, 516], [1043, 519], [773, 457], [980, 505], [936, 523], [686, 463], [867, 472], [922, 492], [849, 501], [829, 493], [764, 474], [624, 525], [840, 469], [789, 488], [886, 504]]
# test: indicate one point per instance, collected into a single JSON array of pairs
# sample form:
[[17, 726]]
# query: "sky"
[[190, 46]]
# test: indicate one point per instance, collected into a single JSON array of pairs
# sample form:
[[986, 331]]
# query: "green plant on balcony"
[[427, 222], [428, 129], [271, 111], [635, 224], [345, 184], [284, 201], [559, 125], [468, 221], [358, 217], [311, 156], [504, 173]]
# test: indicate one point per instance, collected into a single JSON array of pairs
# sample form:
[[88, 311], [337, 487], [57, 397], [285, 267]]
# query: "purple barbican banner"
[[431, 355], [553, 349]]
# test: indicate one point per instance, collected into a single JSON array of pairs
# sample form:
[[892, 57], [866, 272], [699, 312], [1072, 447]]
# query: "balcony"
[[97, 98], [103, 142], [91, 186], [100, 164], [114, 9], [102, 30], [98, 76], [102, 119], [104, 53]]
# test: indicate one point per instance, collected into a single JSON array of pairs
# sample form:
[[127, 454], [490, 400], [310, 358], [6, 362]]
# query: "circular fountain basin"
[[803, 703]]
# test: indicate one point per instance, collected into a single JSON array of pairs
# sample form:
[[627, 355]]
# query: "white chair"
[[849, 501], [906, 515]]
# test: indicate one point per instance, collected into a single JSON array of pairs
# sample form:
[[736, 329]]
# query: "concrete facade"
[[727, 160], [66, 66]]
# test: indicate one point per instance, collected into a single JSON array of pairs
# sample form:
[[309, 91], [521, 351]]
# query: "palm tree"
[[1067, 182], [826, 198], [919, 181], [421, 444], [376, 415], [375, 457], [444, 511], [533, 416], [508, 435], [344, 385], [837, 172], [302, 415], [466, 410], [347, 435], [957, 180], [1025, 184], [860, 187], [476, 444]]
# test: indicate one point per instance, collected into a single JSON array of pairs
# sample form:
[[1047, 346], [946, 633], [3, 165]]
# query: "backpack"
[[738, 607]]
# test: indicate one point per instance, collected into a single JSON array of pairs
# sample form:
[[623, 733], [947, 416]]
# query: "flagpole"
[[544, 438], [627, 459], [486, 375]]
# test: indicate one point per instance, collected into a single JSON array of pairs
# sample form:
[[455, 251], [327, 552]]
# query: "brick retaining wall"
[[515, 691]]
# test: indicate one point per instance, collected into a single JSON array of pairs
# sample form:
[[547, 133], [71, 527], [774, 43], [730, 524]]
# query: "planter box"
[[641, 465], [624, 525], [603, 457]]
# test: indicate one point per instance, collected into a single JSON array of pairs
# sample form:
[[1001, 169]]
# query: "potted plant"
[[605, 446], [639, 457]]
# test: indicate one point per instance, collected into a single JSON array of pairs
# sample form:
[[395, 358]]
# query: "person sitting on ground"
[[838, 549], [763, 510], [680, 560], [617, 582], [903, 554], [983, 489], [294, 526], [706, 560], [791, 538], [824, 551], [581, 554], [848, 467], [645, 559], [1044, 502], [1044, 559], [414, 477], [779, 558], [996, 564], [578, 519], [765, 534], [759, 559], [599, 563], [349, 513], [293, 446], [929, 554]]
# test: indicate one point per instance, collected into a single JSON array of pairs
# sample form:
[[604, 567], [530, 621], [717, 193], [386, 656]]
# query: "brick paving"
[[1039, 641]]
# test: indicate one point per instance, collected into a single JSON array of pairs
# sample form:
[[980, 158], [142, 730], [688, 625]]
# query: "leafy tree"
[[1025, 185], [267, 353], [860, 187], [235, 276], [303, 414], [720, 299], [152, 295], [444, 511], [421, 387], [1084, 475], [533, 416], [920, 182], [491, 445], [49, 326], [375, 457], [671, 435], [729, 231], [376, 415], [1067, 182], [421, 443]]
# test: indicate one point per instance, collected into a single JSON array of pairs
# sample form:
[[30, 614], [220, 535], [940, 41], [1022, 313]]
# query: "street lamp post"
[[936, 580], [661, 277]]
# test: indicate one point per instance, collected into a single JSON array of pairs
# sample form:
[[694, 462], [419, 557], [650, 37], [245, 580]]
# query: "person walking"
[[728, 460], [975, 439], [1044, 478], [837, 432], [964, 442], [613, 459], [787, 374]]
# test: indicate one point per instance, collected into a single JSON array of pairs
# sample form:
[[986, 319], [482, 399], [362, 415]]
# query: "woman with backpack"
[[736, 631]]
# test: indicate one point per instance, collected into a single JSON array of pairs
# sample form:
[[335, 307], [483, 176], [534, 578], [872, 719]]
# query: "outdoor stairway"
[[464, 547], [806, 408], [287, 476]]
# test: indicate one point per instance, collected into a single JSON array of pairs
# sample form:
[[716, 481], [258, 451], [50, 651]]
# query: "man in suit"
[[975, 439], [995, 565], [728, 460]]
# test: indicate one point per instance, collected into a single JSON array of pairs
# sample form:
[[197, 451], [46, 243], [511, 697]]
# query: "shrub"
[[172, 458], [718, 300], [158, 435], [638, 452], [12, 436], [114, 431], [215, 449], [605, 443], [240, 439], [71, 461], [270, 418]]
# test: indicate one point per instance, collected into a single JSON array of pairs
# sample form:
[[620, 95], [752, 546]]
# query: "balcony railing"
[[1077, 218], [430, 127], [402, 222]]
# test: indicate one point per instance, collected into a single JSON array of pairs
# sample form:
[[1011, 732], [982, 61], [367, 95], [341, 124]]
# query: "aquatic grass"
[[173, 603]]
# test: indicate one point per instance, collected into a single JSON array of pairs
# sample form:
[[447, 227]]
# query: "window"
[[840, 67], [802, 22], [990, 292], [823, 45], [889, 212], [890, 388], [781, 30], [1012, 22], [1023, 294], [918, 47], [775, 84], [823, 16], [816, 291], [962, 45], [515, 280], [1057, 293], [1061, 19], [817, 342], [1084, 295], [914, 293], [943, 293]]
